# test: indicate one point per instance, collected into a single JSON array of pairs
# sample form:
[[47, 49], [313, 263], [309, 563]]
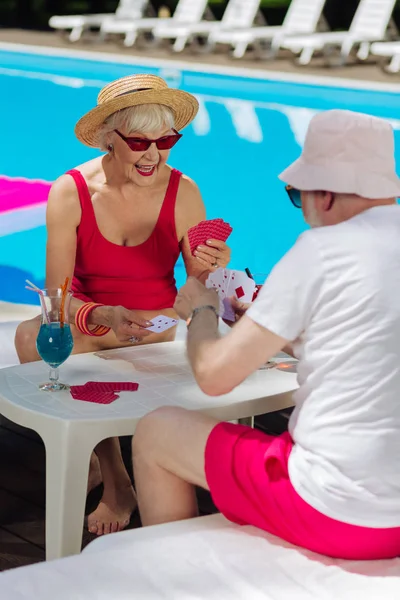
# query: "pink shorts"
[[247, 474]]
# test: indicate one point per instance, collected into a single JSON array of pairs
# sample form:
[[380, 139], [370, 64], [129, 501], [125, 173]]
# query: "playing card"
[[77, 389], [88, 394], [113, 386], [162, 323], [215, 229], [229, 313], [102, 392], [229, 283], [219, 280], [241, 286]]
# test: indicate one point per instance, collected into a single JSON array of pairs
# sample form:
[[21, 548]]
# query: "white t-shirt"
[[336, 294]]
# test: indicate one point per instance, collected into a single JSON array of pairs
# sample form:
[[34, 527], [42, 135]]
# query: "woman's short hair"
[[144, 118]]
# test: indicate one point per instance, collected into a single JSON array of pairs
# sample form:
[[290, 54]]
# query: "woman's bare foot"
[[95, 476], [113, 512]]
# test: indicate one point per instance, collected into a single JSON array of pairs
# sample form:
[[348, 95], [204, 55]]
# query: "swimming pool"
[[247, 131]]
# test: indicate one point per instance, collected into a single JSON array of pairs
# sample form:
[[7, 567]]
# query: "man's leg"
[[168, 461]]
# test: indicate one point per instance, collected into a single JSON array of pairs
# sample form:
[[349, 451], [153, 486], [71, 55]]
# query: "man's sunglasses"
[[294, 195], [142, 144]]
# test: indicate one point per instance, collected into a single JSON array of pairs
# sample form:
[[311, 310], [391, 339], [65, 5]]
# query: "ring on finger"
[[215, 265], [134, 339]]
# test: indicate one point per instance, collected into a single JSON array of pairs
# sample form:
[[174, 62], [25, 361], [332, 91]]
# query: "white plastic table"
[[71, 429]]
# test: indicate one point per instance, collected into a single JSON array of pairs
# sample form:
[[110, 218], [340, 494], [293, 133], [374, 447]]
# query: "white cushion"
[[206, 558]]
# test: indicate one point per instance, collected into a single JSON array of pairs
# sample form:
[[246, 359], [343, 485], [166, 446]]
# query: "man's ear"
[[327, 200]]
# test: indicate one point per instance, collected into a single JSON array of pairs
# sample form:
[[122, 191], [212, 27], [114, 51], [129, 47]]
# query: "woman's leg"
[[118, 501], [27, 332], [25, 340]]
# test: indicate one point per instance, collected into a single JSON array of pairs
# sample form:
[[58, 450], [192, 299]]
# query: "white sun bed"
[[370, 24], [390, 50], [303, 16], [201, 559], [127, 9], [238, 14], [186, 12]]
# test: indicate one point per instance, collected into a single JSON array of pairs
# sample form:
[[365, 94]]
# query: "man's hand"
[[239, 308], [193, 295]]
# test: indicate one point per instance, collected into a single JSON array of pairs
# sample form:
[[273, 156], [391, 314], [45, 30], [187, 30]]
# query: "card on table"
[[162, 323], [102, 392], [113, 386], [93, 395], [214, 229]]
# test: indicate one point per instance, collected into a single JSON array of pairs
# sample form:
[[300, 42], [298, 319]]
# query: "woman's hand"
[[193, 295], [125, 323], [213, 255]]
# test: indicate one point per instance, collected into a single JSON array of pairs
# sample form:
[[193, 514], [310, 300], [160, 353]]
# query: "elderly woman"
[[117, 225]]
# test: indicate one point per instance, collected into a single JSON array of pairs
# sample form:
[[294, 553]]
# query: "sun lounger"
[[186, 12], [303, 16], [370, 24], [238, 14], [127, 9], [206, 558], [389, 50]]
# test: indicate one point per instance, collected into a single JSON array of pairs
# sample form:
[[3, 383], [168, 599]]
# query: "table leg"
[[67, 469], [249, 421]]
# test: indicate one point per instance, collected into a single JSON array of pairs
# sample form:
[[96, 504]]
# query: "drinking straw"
[[34, 288], [64, 289]]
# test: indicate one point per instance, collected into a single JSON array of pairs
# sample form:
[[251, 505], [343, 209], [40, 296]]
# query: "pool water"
[[247, 131]]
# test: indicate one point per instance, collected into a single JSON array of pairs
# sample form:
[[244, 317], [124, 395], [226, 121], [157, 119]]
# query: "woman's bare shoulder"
[[189, 190], [91, 168], [65, 187]]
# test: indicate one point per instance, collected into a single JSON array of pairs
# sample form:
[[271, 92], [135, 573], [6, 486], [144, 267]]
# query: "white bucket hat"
[[348, 153]]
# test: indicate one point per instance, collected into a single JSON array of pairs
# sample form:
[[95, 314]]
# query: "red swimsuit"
[[136, 277]]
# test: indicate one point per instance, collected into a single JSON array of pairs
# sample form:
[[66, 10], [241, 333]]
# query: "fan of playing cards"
[[230, 283], [215, 229]]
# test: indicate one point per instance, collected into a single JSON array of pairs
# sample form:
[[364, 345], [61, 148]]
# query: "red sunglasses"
[[142, 144]]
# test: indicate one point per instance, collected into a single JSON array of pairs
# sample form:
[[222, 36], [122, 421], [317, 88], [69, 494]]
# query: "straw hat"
[[348, 153], [132, 91]]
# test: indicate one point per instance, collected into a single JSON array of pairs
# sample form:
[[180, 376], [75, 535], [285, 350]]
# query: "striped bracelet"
[[81, 320]]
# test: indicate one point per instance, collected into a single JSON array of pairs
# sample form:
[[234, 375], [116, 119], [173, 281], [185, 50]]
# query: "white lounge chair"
[[206, 558], [389, 50], [303, 16], [187, 11], [238, 14], [370, 24], [127, 9]]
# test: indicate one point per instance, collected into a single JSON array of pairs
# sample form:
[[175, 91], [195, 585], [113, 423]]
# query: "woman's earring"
[[110, 148]]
